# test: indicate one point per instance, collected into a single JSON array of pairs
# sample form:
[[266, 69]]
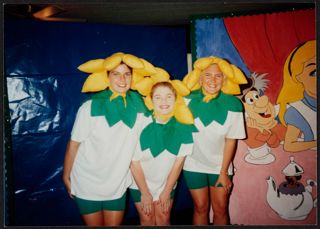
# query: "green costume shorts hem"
[[91, 206], [195, 180], [136, 195]]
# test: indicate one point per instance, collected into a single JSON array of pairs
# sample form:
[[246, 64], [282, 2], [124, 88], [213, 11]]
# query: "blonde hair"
[[292, 90]]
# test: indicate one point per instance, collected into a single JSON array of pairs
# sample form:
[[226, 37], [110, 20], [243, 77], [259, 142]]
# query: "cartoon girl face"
[[163, 99], [259, 108], [308, 77]]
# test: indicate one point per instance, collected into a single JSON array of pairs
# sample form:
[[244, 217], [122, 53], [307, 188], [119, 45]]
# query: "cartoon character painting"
[[263, 130], [298, 99], [291, 200]]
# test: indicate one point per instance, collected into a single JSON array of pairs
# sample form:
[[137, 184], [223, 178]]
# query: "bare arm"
[[146, 197], [71, 152], [228, 153], [173, 176], [292, 145]]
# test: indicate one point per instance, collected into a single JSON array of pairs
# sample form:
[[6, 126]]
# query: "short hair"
[[163, 84], [120, 64]]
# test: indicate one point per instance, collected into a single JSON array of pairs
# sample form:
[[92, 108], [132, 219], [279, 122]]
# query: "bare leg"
[[112, 218], [146, 220], [93, 219], [162, 219], [219, 201], [200, 199]]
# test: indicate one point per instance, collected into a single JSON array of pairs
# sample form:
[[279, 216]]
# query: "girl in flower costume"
[[219, 118], [105, 133], [164, 143]]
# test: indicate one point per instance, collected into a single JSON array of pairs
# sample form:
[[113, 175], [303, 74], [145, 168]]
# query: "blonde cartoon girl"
[[298, 98], [163, 146], [219, 118], [105, 132]]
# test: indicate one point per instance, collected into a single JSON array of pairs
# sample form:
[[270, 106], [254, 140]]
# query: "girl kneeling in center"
[[161, 151]]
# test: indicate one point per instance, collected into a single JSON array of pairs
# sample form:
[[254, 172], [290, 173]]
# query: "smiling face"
[[308, 77], [211, 79], [259, 108], [120, 78], [163, 99]]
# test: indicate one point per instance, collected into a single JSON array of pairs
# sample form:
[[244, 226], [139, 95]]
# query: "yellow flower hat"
[[181, 111], [98, 79], [231, 83]]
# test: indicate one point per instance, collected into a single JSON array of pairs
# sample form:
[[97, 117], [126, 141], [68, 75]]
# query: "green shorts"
[[195, 180], [136, 195], [91, 206]]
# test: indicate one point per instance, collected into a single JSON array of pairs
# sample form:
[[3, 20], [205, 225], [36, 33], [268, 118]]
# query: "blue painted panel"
[[212, 39]]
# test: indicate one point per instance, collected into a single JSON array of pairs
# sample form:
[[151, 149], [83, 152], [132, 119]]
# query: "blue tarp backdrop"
[[41, 60]]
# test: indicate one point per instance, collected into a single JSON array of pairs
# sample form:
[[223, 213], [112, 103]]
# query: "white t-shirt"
[[157, 169], [101, 168], [209, 143]]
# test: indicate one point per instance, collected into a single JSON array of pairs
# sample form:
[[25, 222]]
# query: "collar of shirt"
[[169, 136], [118, 109]]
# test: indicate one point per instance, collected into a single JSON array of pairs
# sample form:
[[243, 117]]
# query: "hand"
[[67, 183], [225, 181], [146, 203], [164, 201]]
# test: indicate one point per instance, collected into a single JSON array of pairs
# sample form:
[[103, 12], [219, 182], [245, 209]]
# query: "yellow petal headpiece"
[[234, 75], [98, 68], [181, 112]]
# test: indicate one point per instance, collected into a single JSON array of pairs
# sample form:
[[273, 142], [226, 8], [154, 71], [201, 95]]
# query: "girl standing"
[[161, 151], [105, 133], [219, 118]]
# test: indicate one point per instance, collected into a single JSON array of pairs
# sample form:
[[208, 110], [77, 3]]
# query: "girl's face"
[[211, 79], [163, 100], [308, 77], [120, 78]]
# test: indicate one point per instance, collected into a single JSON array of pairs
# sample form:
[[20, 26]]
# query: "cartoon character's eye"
[[255, 96], [313, 73], [249, 101]]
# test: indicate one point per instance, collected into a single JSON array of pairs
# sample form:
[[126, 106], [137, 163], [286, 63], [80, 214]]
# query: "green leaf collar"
[[216, 109], [115, 110], [169, 136]]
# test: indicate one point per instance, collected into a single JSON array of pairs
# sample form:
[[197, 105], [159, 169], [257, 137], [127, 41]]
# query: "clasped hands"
[[147, 202]]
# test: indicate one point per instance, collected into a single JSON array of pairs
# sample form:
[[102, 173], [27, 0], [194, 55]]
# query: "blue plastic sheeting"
[[41, 105], [41, 60], [212, 39]]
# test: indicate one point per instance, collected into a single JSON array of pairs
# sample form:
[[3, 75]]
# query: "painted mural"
[[264, 132], [298, 98], [276, 165], [291, 200]]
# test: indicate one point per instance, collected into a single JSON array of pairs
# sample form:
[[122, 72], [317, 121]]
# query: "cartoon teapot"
[[291, 200]]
